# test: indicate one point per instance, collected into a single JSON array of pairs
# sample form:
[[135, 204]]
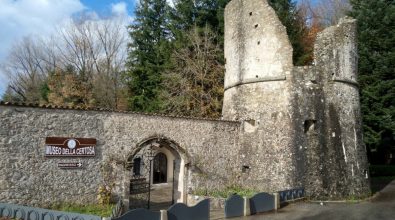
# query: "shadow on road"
[[380, 182]]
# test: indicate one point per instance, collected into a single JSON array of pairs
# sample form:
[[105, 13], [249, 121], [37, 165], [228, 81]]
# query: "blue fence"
[[140, 214], [262, 202], [180, 211], [30, 213], [234, 206], [291, 194]]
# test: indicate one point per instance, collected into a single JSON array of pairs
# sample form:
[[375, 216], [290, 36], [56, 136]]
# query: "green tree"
[[197, 30], [194, 86], [376, 48], [189, 13], [148, 54], [197, 13], [288, 14]]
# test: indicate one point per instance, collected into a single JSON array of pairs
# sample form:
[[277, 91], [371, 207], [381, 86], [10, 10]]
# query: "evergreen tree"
[[197, 28], [376, 44], [148, 54], [194, 86], [198, 13], [296, 28]]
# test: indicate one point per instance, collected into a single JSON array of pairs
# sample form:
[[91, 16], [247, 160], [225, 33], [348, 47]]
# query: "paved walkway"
[[381, 206], [161, 196]]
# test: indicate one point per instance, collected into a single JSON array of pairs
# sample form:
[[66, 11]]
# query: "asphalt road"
[[382, 206]]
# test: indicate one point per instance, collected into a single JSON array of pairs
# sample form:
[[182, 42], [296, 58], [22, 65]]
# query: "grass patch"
[[225, 193], [89, 209]]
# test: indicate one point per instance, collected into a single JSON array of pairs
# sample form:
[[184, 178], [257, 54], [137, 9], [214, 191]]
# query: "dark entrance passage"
[[160, 169], [156, 169]]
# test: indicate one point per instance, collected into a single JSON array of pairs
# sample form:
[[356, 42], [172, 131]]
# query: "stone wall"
[[301, 125], [258, 63], [344, 157], [27, 177]]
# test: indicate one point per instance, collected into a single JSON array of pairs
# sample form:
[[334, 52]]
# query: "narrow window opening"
[[137, 166], [309, 126], [245, 168], [251, 122]]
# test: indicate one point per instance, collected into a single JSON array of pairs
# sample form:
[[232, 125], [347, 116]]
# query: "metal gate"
[[140, 183], [139, 193]]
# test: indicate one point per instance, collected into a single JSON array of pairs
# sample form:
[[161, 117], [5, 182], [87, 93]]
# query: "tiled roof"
[[63, 107]]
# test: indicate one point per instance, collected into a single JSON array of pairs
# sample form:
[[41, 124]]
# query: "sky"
[[21, 18]]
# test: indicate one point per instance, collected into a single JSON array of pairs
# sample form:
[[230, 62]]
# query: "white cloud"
[[19, 18], [119, 8], [22, 17]]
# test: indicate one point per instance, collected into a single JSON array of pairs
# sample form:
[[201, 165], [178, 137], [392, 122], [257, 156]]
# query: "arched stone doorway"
[[156, 169]]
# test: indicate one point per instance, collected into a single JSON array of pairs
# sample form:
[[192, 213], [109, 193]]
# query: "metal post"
[[172, 191], [149, 183]]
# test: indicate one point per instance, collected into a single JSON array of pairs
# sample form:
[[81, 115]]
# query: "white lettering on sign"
[[53, 150], [69, 147], [58, 151]]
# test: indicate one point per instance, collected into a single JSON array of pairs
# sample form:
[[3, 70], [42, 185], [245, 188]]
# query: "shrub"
[[225, 193]]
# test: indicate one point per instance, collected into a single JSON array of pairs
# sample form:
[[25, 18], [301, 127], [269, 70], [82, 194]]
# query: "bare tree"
[[26, 69], [332, 10], [326, 12], [110, 64], [95, 50]]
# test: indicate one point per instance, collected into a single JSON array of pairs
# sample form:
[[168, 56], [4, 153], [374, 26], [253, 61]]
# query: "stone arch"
[[173, 144], [178, 163]]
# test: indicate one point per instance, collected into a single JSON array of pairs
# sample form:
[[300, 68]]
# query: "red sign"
[[69, 147]]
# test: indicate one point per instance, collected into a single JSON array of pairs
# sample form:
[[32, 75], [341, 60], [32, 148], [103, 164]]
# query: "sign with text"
[[69, 147], [70, 165]]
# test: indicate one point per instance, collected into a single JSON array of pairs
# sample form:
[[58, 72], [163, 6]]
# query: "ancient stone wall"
[[301, 125], [258, 62], [28, 177], [343, 159]]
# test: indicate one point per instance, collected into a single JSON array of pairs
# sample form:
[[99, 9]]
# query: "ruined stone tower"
[[258, 62], [301, 125]]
